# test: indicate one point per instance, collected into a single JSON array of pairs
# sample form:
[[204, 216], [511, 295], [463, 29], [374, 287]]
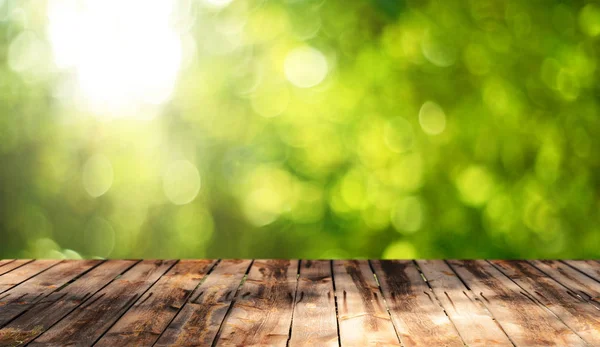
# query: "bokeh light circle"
[[97, 176], [305, 67], [432, 118], [181, 182]]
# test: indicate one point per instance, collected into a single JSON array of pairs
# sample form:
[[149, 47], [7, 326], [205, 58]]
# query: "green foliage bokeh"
[[454, 129]]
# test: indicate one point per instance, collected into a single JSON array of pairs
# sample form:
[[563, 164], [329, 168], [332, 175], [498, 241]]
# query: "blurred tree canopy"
[[299, 128]]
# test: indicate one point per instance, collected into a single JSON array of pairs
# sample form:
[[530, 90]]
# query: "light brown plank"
[[588, 267], [526, 322], [8, 267], [262, 313], [473, 322], [24, 273], [199, 320], [5, 261], [89, 321], [143, 323], [418, 318], [579, 283], [314, 321], [576, 313], [58, 304], [18, 299], [362, 316]]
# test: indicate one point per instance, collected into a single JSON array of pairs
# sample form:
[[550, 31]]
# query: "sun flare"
[[125, 55]]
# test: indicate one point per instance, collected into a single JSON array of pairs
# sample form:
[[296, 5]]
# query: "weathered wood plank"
[[363, 318], [143, 323], [24, 273], [199, 320], [58, 304], [579, 283], [9, 266], [471, 319], [418, 318], [262, 313], [576, 313], [18, 299], [526, 322], [314, 321], [89, 321], [588, 267]]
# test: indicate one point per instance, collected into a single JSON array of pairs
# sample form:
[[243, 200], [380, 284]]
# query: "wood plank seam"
[[11, 265], [438, 302], [229, 309], [189, 298], [294, 302], [385, 303], [335, 300], [581, 271], [480, 303], [533, 299], [528, 325], [134, 300], [572, 290], [41, 297], [27, 278], [572, 311]]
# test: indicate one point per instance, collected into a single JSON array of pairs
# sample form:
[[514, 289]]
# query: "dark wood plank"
[[89, 321], [579, 283], [475, 325], [18, 299], [526, 322], [588, 267], [314, 320], [9, 266], [199, 320], [419, 319], [143, 323], [58, 304], [24, 273], [262, 313], [576, 313], [362, 315]]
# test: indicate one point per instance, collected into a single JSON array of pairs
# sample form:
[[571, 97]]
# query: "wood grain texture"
[[588, 267], [526, 322], [579, 283], [576, 313], [471, 319], [262, 313], [11, 265], [299, 303], [199, 320], [61, 302], [23, 273], [419, 319], [146, 320], [18, 299], [89, 321], [362, 315], [314, 321]]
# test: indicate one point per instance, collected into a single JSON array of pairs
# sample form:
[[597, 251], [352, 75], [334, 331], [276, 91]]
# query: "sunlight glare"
[[126, 55]]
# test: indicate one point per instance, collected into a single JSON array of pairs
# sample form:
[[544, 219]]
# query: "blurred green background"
[[299, 128]]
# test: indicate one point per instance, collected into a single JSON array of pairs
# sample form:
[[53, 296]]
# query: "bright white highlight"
[[126, 54], [305, 67]]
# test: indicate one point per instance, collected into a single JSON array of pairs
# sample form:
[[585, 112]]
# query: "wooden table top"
[[292, 302]]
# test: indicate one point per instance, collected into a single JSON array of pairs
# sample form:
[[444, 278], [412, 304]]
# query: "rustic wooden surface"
[[299, 303]]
